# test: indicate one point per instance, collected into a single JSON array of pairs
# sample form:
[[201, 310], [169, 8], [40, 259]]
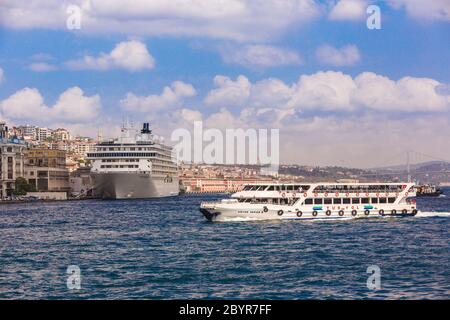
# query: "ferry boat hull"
[[217, 213], [132, 186]]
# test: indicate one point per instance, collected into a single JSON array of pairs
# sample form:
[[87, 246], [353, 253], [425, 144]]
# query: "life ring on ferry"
[[294, 195], [347, 194], [265, 209], [414, 212], [404, 211], [326, 194], [367, 212], [381, 212], [316, 195], [406, 194], [341, 213], [305, 194], [357, 194], [394, 211], [280, 212], [328, 213], [283, 195], [299, 213], [354, 213], [337, 194], [315, 213], [367, 194]]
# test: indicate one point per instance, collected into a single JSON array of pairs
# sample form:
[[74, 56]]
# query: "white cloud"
[[232, 19], [259, 56], [429, 10], [42, 67], [348, 10], [130, 55], [171, 97], [72, 106], [331, 91], [407, 94], [229, 93], [339, 57]]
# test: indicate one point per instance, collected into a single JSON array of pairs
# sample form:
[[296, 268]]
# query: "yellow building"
[[46, 170]]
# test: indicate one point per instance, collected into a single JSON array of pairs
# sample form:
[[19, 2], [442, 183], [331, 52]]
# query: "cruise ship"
[[137, 165], [315, 201]]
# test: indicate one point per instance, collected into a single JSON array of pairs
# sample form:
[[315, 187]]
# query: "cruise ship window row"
[[319, 201], [119, 166], [121, 154]]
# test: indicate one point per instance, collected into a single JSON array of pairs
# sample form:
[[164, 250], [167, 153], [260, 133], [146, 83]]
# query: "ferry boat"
[[137, 165], [315, 201]]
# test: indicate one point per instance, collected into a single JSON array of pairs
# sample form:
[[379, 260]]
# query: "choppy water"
[[165, 249]]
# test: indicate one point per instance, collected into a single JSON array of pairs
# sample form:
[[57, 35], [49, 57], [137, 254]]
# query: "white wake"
[[420, 214], [424, 214]]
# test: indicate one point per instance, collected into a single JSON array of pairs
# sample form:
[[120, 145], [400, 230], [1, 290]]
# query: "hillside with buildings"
[[54, 164]]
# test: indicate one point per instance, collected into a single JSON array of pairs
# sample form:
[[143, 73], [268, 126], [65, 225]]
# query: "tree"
[[22, 187]]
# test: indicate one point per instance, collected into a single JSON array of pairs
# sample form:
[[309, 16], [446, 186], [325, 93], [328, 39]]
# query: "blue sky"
[[194, 48]]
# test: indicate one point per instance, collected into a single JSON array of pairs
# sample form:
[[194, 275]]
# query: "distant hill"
[[424, 166], [426, 172]]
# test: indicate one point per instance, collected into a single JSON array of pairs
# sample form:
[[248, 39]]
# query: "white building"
[[12, 156], [43, 134]]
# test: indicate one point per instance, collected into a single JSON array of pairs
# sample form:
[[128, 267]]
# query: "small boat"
[[428, 190]]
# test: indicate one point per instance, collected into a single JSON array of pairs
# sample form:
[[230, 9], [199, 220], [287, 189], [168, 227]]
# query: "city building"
[[60, 134], [28, 131], [11, 161], [43, 134], [46, 170]]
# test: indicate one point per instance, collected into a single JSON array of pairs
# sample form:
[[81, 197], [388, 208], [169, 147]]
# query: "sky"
[[339, 92]]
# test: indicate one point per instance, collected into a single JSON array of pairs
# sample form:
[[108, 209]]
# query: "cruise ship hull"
[[132, 186]]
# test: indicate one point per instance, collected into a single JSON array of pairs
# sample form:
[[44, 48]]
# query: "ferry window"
[[337, 200], [277, 188], [318, 201], [391, 200], [327, 201], [355, 200], [346, 201], [383, 200], [271, 188], [309, 201], [374, 200], [290, 188], [365, 200]]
